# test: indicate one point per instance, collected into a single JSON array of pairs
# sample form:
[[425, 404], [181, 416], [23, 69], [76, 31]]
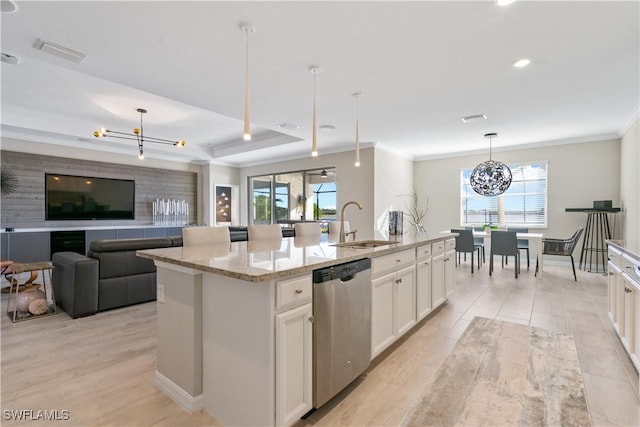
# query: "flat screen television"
[[70, 197]]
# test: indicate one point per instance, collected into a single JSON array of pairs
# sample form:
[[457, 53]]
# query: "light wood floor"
[[101, 368]]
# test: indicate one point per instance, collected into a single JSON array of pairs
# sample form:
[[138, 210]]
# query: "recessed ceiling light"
[[505, 2], [468, 119], [521, 63]]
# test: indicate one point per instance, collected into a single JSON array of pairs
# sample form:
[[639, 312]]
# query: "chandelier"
[[138, 135], [492, 177]]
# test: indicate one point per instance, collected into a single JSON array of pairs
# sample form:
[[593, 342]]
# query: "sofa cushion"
[[115, 245]]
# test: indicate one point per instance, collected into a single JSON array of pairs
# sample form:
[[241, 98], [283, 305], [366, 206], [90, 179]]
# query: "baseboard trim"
[[185, 400]]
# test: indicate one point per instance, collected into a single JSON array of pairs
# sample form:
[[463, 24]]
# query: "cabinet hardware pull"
[[627, 290], [311, 319], [298, 291], [628, 266]]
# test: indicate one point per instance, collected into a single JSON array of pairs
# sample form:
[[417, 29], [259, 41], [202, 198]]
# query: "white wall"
[[213, 175], [630, 183], [352, 184], [578, 174], [393, 180]]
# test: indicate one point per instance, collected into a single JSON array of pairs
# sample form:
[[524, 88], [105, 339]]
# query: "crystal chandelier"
[[492, 177]]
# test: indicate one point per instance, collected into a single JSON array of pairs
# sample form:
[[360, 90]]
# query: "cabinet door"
[[405, 308], [28, 247], [449, 272], [382, 303], [294, 364], [423, 289], [612, 285], [437, 280], [629, 328]]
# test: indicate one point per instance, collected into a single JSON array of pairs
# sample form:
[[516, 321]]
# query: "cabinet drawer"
[[450, 244], [438, 247], [293, 291], [392, 262], [423, 252]]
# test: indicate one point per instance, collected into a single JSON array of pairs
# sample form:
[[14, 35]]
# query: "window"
[[523, 204]]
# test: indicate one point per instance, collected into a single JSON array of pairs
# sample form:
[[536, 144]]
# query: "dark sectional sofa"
[[111, 275]]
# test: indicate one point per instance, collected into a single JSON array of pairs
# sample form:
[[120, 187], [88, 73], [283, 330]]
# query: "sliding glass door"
[[291, 197]]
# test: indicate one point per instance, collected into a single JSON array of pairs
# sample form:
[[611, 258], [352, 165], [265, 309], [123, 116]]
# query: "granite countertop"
[[263, 260], [629, 247]]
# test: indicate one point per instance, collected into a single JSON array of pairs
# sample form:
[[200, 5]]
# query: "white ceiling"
[[421, 66]]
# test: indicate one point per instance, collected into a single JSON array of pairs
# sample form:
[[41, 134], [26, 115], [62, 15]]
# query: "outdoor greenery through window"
[[524, 204], [286, 198]]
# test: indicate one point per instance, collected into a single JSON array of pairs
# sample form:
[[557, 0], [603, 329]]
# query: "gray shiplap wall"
[[25, 208]]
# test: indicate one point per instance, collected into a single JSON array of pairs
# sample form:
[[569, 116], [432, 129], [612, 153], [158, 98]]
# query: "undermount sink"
[[365, 244]]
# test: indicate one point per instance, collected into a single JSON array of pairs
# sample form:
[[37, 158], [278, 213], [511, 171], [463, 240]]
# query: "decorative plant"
[[8, 181], [415, 211]]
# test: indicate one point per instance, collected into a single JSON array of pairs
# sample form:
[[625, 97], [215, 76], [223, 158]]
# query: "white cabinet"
[[623, 300], [405, 294], [393, 303], [382, 333], [294, 364], [443, 281], [437, 280], [628, 329], [449, 267], [423, 288]]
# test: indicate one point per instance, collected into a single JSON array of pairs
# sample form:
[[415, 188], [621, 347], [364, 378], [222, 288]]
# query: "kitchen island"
[[235, 321]]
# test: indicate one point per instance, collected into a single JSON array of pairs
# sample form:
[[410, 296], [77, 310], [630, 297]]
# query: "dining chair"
[[505, 244], [563, 247], [523, 244], [306, 229], [464, 244], [478, 242], [264, 231], [199, 236]]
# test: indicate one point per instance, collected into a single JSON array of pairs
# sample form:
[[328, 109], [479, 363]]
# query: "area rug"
[[505, 374]]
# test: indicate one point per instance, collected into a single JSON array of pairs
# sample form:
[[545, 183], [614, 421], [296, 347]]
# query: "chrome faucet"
[[342, 233]]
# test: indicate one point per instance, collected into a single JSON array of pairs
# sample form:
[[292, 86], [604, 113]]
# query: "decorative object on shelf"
[[223, 204], [416, 212], [324, 173], [490, 178], [170, 212], [357, 96], [314, 69], [138, 135], [8, 181], [248, 29], [395, 222]]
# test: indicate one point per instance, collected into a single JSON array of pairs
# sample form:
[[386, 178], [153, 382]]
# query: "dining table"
[[535, 238]]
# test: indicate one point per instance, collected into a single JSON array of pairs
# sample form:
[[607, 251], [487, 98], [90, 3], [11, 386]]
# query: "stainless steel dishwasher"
[[342, 327]]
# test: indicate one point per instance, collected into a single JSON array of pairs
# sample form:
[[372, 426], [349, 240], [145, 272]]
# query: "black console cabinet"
[[72, 241]]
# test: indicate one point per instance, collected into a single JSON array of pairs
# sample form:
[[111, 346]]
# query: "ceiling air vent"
[[60, 51]]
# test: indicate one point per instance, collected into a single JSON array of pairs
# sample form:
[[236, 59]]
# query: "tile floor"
[[101, 368]]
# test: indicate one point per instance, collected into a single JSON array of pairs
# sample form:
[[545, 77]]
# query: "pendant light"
[[248, 29], [490, 178], [357, 161], [314, 69]]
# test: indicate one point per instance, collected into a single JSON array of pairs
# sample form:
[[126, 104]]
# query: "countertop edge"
[[619, 245], [357, 254]]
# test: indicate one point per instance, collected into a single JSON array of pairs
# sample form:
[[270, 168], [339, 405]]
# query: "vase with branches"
[[416, 211]]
